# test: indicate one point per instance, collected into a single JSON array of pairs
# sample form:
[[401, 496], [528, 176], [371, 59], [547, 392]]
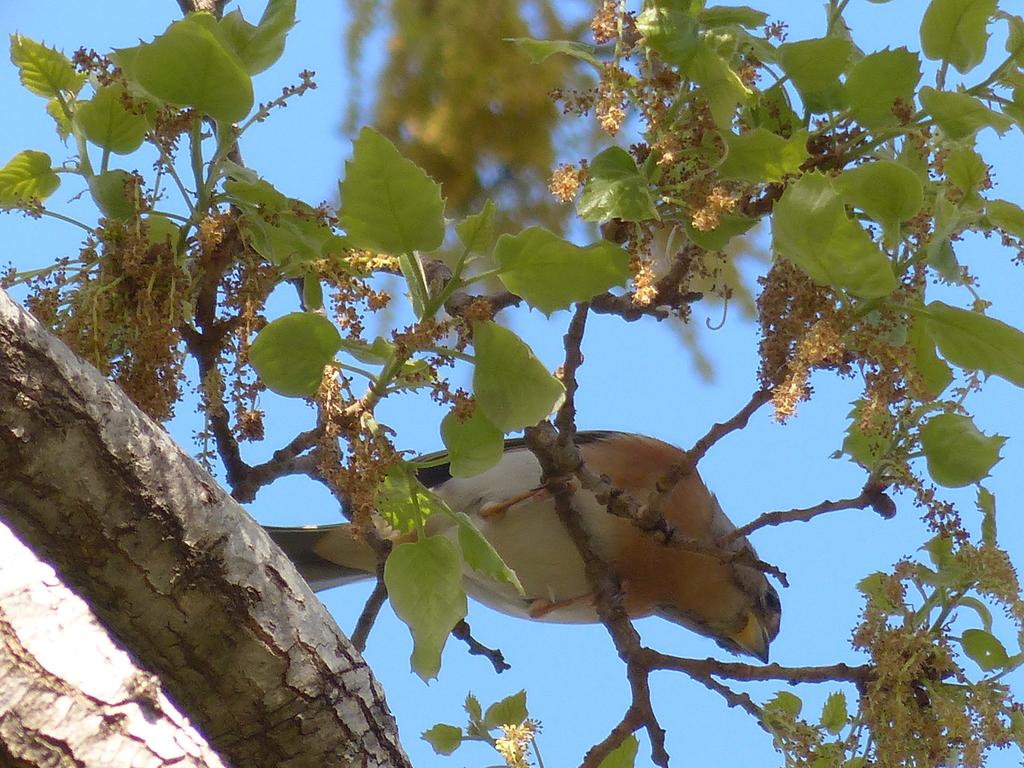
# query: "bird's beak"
[[752, 638]]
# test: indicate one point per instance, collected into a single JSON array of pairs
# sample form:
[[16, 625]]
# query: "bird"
[[725, 599]]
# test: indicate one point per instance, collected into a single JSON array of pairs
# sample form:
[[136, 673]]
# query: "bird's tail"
[[326, 555]]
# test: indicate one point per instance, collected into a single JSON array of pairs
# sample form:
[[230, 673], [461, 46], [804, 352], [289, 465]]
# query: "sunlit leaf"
[[877, 82], [513, 388], [259, 46], [670, 30], [388, 203], [509, 711], [615, 189], [623, 756], [477, 231], [474, 444], [760, 155], [956, 31], [539, 50], [424, 581], [444, 739], [290, 353], [814, 67], [958, 453], [109, 124], [43, 70], [977, 342], [834, 713], [888, 192], [28, 176], [960, 115]]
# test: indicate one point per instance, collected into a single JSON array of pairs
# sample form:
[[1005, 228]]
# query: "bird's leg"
[[495, 510], [540, 607]]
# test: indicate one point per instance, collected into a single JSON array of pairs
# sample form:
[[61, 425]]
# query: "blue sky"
[[636, 378]]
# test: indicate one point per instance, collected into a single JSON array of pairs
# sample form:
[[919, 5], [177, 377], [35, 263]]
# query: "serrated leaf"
[[110, 192], [539, 50], [623, 756], [259, 46], [388, 203], [867, 446], [887, 191], [986, 503], [509, 711], [976, 342], [1007, 216], [956, 31], [935, 374], [474, 444], [290, 353], [477, 231], [985, 649], [28, 176], [670, 30], [189, 66], [958, 452], [472, 707], [108, 124], [424, 581], [834, 713], [876, 82], [43, 70], [814, 67], [615, 189], [552, 273], [760, 155], [966, 170], [786, 702], [812, 230], [513, 388], [443, 738], [960, 115], [873, 586]]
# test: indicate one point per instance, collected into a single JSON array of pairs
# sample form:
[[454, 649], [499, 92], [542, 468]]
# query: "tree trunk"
[[184, 578]]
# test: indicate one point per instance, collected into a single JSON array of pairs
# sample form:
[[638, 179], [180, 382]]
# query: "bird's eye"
[[772, 602]]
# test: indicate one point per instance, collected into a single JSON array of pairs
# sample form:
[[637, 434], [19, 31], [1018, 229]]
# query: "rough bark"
[[68, 694], [185, 579]]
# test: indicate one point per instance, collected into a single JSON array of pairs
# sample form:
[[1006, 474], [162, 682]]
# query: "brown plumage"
[[733, 604]]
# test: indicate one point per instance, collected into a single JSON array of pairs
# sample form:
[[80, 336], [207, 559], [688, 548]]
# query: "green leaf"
[[388, 203], [512, 387], [404, 502], [552, 273], [189, 66], [290, 353], [887, 191], [956, 31], [27, 177], [867, 445], [719, 84], [108, 124], [1009, 217], [509, 711], [812, 230], [939, 249], [670, 30], [965, 168], [285, 231], [772, 110], [958, 452], [814, 67], [615, 189], [480, 554], [960, 115], [43, 70], [877, 82], [985, 649], [987, 506], [160, 230], [786, 702], [110, 192], [424, 581], [477, 231], [444, 739], [834, 714], [976, 342], [472, 707], [415, 279], [312, 292], [539, 50], [760, 155], [474, 444], [741, 15], [260, 46], [935, 374], [55, 110], [623, 756], [730, 225], [874, 587]]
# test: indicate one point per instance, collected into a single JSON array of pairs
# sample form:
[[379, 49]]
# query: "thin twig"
[[871, 496], [734, 670], [283, 462], [368, 616], [463, 632]]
